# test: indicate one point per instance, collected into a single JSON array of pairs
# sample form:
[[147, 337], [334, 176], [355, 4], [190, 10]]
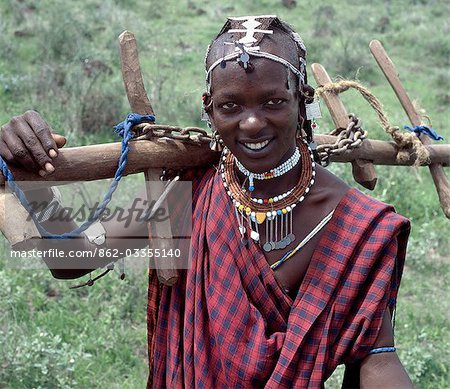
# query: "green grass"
[[52, 337]]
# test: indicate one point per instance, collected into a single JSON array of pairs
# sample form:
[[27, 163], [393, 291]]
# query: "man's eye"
[[229, 105], [275, 102]]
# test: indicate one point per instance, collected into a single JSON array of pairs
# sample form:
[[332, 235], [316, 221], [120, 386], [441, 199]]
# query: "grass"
[[53, 337], [61, 58]]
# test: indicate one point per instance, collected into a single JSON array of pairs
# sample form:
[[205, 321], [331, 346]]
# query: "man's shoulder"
[[361, 212], [353, 199]]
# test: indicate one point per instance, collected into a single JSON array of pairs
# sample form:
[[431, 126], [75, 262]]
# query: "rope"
[[123, 129], [429, 131], [403, 140]]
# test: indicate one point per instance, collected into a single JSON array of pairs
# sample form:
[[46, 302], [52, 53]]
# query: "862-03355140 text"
[[98, 252]]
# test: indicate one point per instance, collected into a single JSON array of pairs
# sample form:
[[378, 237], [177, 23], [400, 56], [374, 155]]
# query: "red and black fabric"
[[228, 323]]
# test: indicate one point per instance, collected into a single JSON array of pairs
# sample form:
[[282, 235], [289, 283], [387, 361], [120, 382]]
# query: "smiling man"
[[293, 272]]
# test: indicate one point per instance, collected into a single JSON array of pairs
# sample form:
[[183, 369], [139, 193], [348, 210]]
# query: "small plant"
[[38, 360]]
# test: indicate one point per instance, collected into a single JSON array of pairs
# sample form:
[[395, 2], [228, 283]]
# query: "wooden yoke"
[[95, 162], [441, 181], [362, 169], [139, 103]]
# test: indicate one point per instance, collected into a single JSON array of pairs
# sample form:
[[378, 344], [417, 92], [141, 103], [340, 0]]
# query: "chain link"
[[347, 139]]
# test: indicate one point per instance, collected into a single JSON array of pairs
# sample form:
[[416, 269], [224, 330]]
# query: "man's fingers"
[[19, 152], [27, 141], [42, 132], [6, 154]]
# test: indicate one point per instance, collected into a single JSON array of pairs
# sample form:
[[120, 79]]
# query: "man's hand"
[[27, 141]]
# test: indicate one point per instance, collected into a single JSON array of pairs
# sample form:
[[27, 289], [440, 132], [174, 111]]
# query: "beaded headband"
[[252, 30]]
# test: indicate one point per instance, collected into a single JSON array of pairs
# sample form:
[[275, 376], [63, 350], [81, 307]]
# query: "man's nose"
[[252, 122]]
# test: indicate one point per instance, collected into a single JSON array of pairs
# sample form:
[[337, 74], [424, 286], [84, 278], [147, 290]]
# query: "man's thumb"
[[59, 140]]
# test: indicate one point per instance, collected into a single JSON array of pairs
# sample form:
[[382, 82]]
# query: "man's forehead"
[[246, 39], [264, 91], [268, 76]]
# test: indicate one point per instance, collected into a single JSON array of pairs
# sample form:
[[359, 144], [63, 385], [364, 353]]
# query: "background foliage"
[[61, 58]]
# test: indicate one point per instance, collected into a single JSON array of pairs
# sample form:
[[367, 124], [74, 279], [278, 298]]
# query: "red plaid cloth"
[[229, 324]]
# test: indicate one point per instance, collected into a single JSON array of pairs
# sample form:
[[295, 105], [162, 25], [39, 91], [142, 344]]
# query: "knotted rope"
[[405, 141], [123, 129]]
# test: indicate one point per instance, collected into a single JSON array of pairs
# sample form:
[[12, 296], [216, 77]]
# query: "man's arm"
[[27, 141], [120, 235], [383, 370]]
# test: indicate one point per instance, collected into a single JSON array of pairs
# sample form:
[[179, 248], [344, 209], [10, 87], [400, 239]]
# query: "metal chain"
[[347, 139], [148, 131]]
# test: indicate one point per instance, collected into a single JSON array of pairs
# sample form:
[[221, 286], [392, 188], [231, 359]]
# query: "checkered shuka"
[[228, 323]]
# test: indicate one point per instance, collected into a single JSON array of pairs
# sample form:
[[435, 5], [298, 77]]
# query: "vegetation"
[[61, 58]]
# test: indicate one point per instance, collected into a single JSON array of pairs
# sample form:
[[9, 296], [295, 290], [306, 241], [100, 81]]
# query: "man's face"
[[255, 113]]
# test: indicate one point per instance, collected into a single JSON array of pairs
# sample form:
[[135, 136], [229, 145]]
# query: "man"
[[293, 272]]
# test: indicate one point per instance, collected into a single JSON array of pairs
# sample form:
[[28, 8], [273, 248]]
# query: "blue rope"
[[431, 132], [123, 129]]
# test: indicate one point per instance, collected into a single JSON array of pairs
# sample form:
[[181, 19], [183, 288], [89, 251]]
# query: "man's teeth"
[[257, 146]]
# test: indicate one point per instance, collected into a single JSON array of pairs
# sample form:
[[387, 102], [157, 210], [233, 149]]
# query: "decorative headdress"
[[246, 34]]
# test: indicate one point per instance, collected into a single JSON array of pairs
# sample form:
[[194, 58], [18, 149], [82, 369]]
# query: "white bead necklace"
[[272, 173]]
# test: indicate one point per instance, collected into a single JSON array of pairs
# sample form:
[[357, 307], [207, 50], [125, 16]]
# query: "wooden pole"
[[15, 222], [139, 103], [96, 162], [362, 169], [441, 181]]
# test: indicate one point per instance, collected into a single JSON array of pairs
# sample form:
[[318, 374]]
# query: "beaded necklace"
[[272, 173], [276, 215]]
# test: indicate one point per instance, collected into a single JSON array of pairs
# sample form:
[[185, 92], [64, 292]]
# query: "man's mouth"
[[257, 146]]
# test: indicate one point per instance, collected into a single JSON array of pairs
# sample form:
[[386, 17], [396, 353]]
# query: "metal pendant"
[[267, 247]]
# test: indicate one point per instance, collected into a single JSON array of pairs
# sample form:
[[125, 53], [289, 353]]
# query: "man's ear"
[[207, 111], [207, 102]]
